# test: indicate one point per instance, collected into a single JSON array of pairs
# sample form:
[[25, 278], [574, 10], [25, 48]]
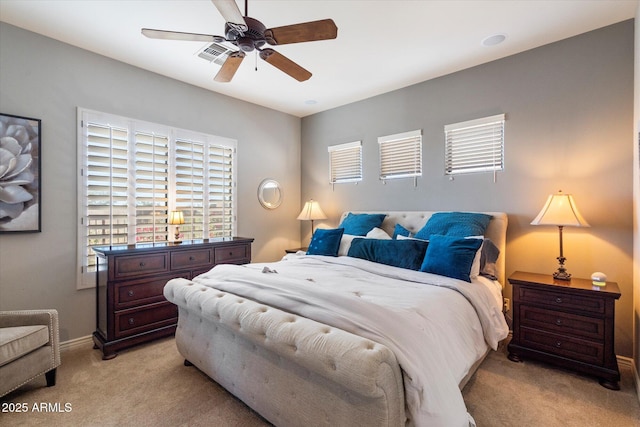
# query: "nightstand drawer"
[[562, 301], [562, 323], [571, 348], [232, 254], [129, 266], [193, 258]]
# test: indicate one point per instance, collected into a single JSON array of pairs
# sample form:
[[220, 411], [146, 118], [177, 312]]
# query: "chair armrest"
[[48, 317]]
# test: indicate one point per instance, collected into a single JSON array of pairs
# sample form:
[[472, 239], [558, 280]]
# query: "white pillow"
[[475, 266], [378, 233], [345, 242], [401, 237]]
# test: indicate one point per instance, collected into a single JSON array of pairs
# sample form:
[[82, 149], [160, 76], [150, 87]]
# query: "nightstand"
[[566, 323], [294, 250]]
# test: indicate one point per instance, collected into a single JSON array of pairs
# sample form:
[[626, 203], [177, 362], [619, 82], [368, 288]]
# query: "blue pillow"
[[460, 224], [450, 256], [361, 224], [325, 242], [398, 253], [399, 230]]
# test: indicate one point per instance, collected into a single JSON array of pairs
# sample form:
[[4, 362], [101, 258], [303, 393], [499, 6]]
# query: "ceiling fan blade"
[[176, 35], [231, 13], [229, 67], [285, 65], [304, 32]]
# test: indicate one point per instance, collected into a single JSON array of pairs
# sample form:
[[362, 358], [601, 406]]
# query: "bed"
[[342, 340]]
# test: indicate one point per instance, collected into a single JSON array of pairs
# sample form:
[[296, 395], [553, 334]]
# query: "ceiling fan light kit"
[[249, 34]]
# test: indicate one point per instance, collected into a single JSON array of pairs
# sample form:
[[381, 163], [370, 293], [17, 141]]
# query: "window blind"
[[134, 173], [401, 155], [475, 146], [345, 162]]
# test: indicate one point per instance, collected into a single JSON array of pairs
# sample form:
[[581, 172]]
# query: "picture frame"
[[20, 174]]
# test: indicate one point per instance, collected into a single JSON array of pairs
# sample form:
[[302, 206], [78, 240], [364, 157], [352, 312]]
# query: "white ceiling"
[[381, 45]]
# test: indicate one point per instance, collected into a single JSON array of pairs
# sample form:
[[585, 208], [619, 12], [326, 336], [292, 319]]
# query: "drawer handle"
[[142, 264], [559, 322], [559, 300], [131, 321], [230, 253], [558, 344], [130, 293], [191, 258]]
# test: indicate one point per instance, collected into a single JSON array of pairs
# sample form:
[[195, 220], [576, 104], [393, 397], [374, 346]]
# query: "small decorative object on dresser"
[[130, 306], [567, 323]]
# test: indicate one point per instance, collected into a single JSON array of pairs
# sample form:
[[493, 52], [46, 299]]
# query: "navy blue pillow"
[[399, 230], [450, 256], [460, 224], [361, 224], [398, 253], [325, 241]]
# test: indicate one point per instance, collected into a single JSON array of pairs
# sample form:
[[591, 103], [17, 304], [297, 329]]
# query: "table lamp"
[[176, 218], [311, 211], [560, 210]]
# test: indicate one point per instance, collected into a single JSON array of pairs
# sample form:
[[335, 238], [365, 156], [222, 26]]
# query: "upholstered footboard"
[[291, 370]]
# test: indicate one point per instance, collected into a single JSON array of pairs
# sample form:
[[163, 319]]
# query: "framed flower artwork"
[[19, 174]]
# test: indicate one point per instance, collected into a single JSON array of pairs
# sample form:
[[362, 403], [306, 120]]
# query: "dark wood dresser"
[[567, 323], [130, 306]]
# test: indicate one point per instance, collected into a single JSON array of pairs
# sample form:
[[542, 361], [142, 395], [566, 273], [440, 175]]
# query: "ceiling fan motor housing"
[[250, 39]]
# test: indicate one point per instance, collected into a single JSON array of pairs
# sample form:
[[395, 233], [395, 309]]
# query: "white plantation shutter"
[[401, 155], [475, 146], [220, 187], [190, 187], [345, 162], [151, 187], [134, 173], [106, 190]]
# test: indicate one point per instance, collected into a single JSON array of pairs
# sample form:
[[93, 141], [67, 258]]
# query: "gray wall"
[[569, 108], [46, 79]]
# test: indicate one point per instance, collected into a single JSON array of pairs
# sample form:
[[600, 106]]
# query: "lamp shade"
[[560, 209], [176, 218], [311, 211]]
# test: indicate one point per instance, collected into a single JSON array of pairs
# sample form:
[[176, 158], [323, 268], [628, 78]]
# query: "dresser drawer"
[[133, 321], [562, 301], [191, 258], [561, 345], [232, 254], [138, 265], [562, 323], [138, 292]]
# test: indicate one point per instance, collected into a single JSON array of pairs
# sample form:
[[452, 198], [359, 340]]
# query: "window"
[[475, 146], [345, 162], [401, 155], [133, 173]]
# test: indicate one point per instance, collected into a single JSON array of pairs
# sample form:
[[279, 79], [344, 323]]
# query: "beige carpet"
[[149, 386]]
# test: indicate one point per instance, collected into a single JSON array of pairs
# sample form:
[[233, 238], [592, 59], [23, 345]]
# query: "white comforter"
[[436, 326]]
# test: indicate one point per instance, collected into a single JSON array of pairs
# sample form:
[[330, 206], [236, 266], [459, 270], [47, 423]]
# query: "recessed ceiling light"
[[493, 40], [310, 102]]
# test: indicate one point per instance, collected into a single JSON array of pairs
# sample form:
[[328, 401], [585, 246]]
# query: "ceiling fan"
[[249, 34]]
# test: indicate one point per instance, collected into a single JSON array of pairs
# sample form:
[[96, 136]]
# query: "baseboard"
[[629, 362], [75, 343]]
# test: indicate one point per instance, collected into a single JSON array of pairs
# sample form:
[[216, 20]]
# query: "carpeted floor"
[[149, 386]]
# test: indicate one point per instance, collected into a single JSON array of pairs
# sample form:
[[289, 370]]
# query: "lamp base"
[[562, 274]]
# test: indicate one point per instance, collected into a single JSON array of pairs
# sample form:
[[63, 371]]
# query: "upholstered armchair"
[[29, 347]]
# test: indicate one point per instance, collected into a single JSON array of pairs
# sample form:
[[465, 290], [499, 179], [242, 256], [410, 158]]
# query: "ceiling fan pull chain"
[[255, 57]]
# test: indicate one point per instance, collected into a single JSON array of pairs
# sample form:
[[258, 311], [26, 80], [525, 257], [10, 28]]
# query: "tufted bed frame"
[[271, 359]]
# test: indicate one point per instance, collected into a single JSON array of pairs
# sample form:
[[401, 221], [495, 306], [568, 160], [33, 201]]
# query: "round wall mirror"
[[270, 194]]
